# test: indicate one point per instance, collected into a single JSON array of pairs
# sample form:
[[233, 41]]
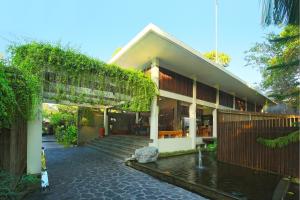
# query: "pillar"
[[215, 114], [105, 121], [34, 142], [218, 97], [154, 107], [215, 122], [233, 101], [246, 106], [137, 118], [192, 116]]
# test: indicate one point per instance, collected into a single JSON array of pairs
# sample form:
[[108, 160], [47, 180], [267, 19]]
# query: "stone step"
[[114, 154], [131, 137], [124, 143], [112, 148], [117, 145]]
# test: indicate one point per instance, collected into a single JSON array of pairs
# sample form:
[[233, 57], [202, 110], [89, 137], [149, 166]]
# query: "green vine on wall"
[[17, 92], [70, 76], [71, 71], [280, 142]]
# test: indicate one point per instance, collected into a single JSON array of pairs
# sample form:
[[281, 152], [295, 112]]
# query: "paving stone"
[[83, 173]]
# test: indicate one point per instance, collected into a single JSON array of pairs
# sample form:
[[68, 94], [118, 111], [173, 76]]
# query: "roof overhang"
[[176, 56]]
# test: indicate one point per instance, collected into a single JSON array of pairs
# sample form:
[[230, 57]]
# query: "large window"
[[206, 93], [240, 104], [226, 99], [259, 107], [250, 107], [204, 122], [174, 82], [173, 118]]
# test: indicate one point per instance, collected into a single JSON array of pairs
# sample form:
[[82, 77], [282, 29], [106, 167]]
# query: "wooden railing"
[[237, 141]]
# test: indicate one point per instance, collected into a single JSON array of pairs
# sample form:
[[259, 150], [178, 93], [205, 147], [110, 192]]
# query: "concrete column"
[[215, 122], [215, 113], [246, 106], [218, 98], [34, 142], [105, 120], [254, 106], [154, 107], [233, 101], [192, 116], [137, 118]]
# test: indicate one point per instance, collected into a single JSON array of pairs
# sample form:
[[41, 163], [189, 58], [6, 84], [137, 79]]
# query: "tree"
[[280, 12], [116, 51], [223, 58], [278, 61]]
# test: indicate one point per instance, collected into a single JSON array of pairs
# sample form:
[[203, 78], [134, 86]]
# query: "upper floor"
[[181, 67]]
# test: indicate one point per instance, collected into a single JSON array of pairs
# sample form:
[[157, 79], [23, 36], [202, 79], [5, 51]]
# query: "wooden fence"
[[237, 141], [13, 147]]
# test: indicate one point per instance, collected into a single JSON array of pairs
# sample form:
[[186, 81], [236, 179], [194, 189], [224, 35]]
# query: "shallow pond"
[[238, 181]]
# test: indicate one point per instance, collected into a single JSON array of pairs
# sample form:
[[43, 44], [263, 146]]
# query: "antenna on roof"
[[216, 30]]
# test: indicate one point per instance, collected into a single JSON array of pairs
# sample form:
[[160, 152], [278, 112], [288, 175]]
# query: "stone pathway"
[[49, 142], [83, 173]]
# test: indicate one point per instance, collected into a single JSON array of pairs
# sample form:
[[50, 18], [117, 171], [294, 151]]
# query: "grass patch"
[[176, 153]]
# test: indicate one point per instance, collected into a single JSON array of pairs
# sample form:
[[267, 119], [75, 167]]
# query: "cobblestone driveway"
[[83, 173]]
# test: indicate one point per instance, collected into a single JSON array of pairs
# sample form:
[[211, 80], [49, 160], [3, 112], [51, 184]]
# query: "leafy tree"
[[116, 51], [278, 61], [223, 58], [280, 12]]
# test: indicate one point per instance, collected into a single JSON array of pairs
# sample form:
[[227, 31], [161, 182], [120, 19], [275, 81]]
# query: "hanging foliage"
[[18, 96], [67, 75], [7, 100], [280, 142]]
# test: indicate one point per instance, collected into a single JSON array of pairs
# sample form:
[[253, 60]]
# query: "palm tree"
[[280, 12]]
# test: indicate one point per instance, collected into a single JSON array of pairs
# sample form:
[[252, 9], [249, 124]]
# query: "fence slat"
[[237, 135]]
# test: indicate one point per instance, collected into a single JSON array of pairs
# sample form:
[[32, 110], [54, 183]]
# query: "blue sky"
[[98, 27]]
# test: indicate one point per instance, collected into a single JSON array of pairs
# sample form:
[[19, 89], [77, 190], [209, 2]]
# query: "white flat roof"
[[176, 56]]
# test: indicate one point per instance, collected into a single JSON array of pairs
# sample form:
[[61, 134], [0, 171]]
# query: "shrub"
[[64, 123], [66, 135], [13, 187]]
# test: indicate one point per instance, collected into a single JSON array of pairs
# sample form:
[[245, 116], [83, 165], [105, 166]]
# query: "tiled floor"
[[83, 173]]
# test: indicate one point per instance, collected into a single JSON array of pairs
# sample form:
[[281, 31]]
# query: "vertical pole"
[[105, 121], [154, 107], [215, 122], [233, 101], [136, 117], [246, 106], [215, 113], [192, 115], [218, 96], [34, 142], [216, 29]]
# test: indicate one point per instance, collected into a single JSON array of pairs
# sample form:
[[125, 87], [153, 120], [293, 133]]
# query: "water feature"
[[238, 181], [200, 165]]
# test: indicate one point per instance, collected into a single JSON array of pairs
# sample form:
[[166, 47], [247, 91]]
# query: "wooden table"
[[177, 133]]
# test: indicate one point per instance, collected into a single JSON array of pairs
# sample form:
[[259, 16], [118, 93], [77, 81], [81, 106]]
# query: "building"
[[191, 90]]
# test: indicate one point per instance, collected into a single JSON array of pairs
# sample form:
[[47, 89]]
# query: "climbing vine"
[[62, 74], [17, 91], [69, 75], [280, 142]]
